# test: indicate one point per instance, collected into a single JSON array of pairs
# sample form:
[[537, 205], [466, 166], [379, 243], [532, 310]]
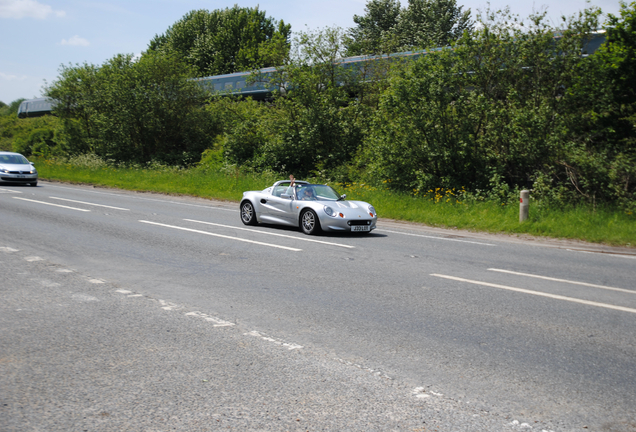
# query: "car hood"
[[17, 167], [347, 204]]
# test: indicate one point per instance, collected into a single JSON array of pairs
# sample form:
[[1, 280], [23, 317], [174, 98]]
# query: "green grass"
[[193, 182], [600, 225]]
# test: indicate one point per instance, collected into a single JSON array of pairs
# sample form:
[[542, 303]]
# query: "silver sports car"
[[312, 207]]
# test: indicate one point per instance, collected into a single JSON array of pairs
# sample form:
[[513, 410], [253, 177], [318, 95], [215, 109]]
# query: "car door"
[[277, 209]]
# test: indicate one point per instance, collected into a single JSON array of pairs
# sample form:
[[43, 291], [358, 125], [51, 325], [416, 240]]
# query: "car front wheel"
[[309, 222], [247, 214]]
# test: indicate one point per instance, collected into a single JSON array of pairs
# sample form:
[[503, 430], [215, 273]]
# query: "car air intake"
[[359, 222]]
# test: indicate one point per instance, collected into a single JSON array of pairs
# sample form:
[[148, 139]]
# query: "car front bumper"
[[18, 178], [348, 225]]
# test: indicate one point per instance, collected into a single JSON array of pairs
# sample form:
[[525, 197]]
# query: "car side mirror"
[[343, 196]]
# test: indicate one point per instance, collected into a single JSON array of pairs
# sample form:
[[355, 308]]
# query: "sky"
[[38, 36]]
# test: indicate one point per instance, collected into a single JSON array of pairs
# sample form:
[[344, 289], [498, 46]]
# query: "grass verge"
[[599, 225]]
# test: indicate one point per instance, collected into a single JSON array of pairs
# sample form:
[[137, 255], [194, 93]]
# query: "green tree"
[[601, 162], [375, 30], [313, 125], [487, 114], [41, 136], [387, 27], [131, 110], [432, 23], [11, 109], [223, 40], [78, 104]]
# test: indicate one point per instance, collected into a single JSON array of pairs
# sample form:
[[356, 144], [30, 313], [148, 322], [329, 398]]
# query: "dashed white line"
[[150, 199], [33, 258], [420, 393], [8, 249], [169, 306], [289, 346], [373, 372], [9, 191], [271, 233], [84, 297], [88, 203], [539, 293], [614, 255], [563, 280], [435, 238], [218, 322], [223, 236], [51, 204]]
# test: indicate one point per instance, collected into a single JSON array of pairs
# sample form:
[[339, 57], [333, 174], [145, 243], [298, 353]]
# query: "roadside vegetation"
[[448, 139]]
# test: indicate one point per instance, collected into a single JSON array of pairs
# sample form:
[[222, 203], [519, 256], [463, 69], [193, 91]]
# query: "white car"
[[15, 168], [312, 207]]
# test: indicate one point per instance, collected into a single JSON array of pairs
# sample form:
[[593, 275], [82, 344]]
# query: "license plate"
[[21, 176], [360, 228]]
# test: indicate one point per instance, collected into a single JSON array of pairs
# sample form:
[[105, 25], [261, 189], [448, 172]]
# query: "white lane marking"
[[604, 253], [123, 291], [136, 295], [84, 298], [87, 203], [563, 280], [51, 204], [271, 233], [9, 191], [218, 322], [435, 238], [367, 369], [289, 346], [8, 249], [420, 393], [33, 258], [515, 423], [149, 199], [96, 281], [222, 236], [64, 271], [169, 306], [539, 293]]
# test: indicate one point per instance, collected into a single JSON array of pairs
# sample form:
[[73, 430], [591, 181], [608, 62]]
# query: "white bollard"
[[524, 205]]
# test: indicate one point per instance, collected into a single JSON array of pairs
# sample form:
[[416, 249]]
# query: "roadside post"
[[524, 204]]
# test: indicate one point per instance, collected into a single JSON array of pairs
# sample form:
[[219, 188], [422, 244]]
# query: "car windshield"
[[13, 159], [317, 192]]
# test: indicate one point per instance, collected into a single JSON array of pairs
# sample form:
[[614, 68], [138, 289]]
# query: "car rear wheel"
[[247, 213], [309, 222]]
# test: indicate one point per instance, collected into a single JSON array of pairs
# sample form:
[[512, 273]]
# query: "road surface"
[[131, 311]]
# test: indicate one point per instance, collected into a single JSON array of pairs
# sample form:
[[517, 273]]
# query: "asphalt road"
[[128, 311]]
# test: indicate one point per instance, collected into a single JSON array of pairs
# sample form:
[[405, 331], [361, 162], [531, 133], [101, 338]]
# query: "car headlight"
[[331, 212], [371, 211], [4, 170]]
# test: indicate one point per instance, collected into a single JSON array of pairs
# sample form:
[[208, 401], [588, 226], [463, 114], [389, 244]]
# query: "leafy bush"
[[513, 107], [32, 136], [132, 110]]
